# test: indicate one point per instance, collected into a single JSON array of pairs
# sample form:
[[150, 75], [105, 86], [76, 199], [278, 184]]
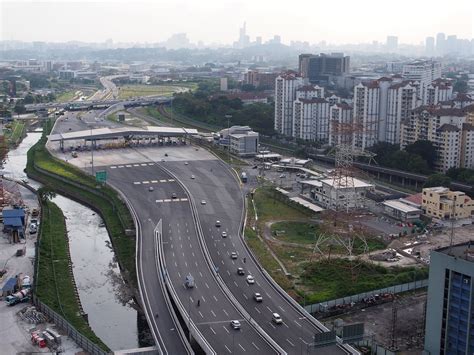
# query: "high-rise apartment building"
[[286, 85], [430, 46], [450, 302], [402, 99], [440, 43], [451, 131], [424, 72], [438, 91], [260, 80], [311, 114], [340, 114]]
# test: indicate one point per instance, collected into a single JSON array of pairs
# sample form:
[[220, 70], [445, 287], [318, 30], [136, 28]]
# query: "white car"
[[233, 255], [276, 318], [193, 177], [151, 188], [235, 324], [203, 202], [250, 280], [218, 223], [257, 297], [186, 163], [224, 234]]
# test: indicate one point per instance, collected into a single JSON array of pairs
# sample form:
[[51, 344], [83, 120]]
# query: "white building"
[[424, 72], [311, 119], [401, 100], [241, 140], [438, 91], [285, 94], [340, 113]]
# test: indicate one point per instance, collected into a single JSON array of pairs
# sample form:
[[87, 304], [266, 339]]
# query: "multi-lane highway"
[[183, 256]]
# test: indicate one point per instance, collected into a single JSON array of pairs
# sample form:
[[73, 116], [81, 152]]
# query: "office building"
[[430, 46], [450, 302], [451, 130], [286, 85], [392, 44], [320, 68], [440, 43], [241, 140]]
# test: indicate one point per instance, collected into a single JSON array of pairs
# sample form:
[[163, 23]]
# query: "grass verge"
[[104, 200], [54, 285], [15, 132]]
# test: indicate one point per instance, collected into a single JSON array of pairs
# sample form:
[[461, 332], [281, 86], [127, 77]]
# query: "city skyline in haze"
[[211, 21]]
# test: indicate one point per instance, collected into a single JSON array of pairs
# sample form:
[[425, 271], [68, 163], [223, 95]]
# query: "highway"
[[183, 256], [215, 184]]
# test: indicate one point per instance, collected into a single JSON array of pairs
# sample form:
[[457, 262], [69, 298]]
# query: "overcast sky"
[[336, 21]]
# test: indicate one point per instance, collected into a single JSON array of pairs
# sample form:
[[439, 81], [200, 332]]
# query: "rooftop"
[[357, 183], [463, 251], [399, 205]]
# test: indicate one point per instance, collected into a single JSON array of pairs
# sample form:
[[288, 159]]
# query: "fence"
[[323, 306], [63, 324]]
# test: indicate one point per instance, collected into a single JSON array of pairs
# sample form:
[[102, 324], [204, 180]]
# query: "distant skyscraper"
[[258, 40], [244, 39], [451, 44], [440, 43], [318, 68], [430, 46], [285, 93], [392, 43]]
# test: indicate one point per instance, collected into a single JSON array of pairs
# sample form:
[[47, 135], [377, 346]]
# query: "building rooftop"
[[463, 251], [415, 199], [357, 183], [437, 189], [399, 205]]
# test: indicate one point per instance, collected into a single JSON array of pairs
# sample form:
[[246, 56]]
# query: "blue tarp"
[[13, 212], [9, 285]]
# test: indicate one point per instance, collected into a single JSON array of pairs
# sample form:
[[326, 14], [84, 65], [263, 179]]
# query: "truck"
[[18, 297], [243, 177]]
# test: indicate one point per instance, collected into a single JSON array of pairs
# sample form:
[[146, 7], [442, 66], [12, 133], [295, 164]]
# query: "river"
[[103, 295]]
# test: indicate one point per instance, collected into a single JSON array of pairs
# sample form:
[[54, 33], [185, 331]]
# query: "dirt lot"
[[409, 325]]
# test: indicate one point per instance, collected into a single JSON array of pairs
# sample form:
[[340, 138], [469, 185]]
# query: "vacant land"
[[67, 96], [284, 233]]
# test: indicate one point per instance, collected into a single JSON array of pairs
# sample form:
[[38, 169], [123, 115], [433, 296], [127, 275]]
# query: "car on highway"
[[224, 234], [250, 280], [276, 318], [186, 163], [173, 195], [203, 202], [233, 255], [151, 188], [218, 223], [240, 271], [257, 297], [166, 154], [282, 176], [235, 324], [193, 177]]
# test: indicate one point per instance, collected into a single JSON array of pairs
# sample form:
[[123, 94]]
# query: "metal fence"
[[320, 307], [63, 324]]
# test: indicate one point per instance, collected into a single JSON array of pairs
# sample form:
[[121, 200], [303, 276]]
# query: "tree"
[[45, 194], [19, 107], [461, 86], [437, 180], [425, 149]]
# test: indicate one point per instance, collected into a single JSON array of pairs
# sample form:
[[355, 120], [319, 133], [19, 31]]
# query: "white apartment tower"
[[340, 113], [438, 91], [401, 100], [285, 94], [424, 72], [366, 114], [311, 119]]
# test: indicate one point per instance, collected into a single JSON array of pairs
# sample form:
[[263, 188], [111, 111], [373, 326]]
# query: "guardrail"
[[324, 306], [72, 332], [213, 270]]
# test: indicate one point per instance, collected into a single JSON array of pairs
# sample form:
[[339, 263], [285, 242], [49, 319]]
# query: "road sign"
[[101, 176]]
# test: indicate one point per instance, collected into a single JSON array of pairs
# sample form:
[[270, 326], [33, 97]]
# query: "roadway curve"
[[183, 256]]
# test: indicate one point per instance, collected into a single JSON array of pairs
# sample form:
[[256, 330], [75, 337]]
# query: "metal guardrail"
[[322, 306], [72, 332]]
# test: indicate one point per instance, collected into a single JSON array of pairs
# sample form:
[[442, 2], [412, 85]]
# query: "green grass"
[[54, 285], [271, 208], [114, 212], [295, 232], [15, 132], [66, 96], [128, 91], [330, 279]]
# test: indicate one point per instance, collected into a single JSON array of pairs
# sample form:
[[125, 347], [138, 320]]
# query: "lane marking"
[[154, 181], [136, 164], [203, 298], [242, 347], [281, 308], [212, 330], [150, 164], [143, 164], [120, 166], [227, 314], [128, 166], [297, 323], [113, 167], [200, 273], [256, 347], [200, 314], [227, 330], [257, 310], [206, 284], [303, 341], [213, 313], [136, 182], [226, 345], [171, 180], [288, 340], [269, 309], [162, 180], [145, 182], [245, 296]]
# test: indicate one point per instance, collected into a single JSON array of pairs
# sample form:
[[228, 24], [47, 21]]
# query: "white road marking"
[[162, 180], [159, 201], [242, 347], [186, 264], [200, 273], [145, 182], [206, 284], [154, 181], [222, 261], [136, 164], [268, 295], [286, 325], [113, 167], [303, 341], [235, 283], [128, 166], [256, 347], [171, 180], [297, 323], [269, 309], [200, 314], [245, 296], [213, 313], [195, 263], [281, 308], [227, 330], [179, 274], [136, 182], [183, 199], [215, 298], [167, 200], [228, 272], [227, 314], [120, 166], [257, 310], [272, 325], [144, 164], [226, 345], [192, 251], [175, 264], [288, 340], [218, 252], [150, 164], [212, 330]]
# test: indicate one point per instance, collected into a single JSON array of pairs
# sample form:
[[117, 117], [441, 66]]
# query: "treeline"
[[418, 157], [218, 110]]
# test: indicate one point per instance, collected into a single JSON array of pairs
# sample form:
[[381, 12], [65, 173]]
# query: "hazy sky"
[[336, 21]]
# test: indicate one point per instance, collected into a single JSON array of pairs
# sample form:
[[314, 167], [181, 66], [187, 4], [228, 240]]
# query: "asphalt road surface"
[[183, 256]]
